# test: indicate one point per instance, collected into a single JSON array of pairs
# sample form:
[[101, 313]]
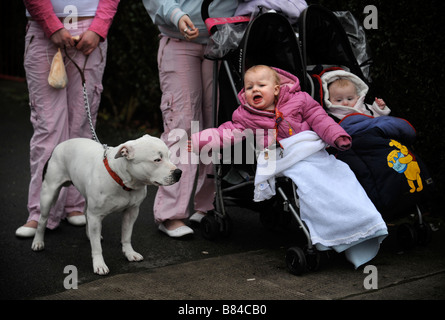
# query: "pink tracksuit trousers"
[[186, 83], [58, 114]]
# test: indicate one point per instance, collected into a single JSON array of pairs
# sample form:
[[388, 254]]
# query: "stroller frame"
[[218, 222], [302, 54], [347, 34]]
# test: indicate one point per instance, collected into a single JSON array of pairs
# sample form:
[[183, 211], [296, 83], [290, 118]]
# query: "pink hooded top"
[[299, 113]]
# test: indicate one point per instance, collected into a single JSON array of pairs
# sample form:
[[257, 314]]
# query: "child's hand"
[[343, 143], [380, 103]]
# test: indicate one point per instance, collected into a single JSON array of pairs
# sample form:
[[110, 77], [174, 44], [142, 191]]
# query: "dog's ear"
[[125, 151]]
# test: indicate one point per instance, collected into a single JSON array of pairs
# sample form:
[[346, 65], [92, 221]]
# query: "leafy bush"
[[131, 93]]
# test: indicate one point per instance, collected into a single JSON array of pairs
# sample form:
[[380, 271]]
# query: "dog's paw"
[[134, 256], [100, 267], [101, 270], [38, 245]]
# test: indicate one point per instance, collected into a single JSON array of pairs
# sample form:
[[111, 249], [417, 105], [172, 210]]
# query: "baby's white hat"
[[331, 76]]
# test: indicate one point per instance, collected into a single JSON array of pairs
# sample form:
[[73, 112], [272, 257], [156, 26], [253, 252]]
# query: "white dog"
[[111, 180]]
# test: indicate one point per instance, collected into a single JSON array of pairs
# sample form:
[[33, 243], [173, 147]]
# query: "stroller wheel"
[[424, 233], [296, 261], [209, 227], [406, 236]]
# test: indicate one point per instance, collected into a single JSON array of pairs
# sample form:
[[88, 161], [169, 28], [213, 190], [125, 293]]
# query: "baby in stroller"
[[386, 167], [346, 93], [335, 208]]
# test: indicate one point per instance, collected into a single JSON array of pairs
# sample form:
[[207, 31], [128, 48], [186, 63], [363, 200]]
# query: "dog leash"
[[93, 132], [85, 97]]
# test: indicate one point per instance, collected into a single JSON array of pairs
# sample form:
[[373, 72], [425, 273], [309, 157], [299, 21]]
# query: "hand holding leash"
[[62, 38], [88, 42]]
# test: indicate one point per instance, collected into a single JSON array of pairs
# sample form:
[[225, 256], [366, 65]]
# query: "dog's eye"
[[158, 160]]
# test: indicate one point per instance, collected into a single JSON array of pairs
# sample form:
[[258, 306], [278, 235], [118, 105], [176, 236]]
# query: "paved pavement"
[[247, 265]]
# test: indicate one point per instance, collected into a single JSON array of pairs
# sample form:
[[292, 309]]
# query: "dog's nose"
[[177, 174]]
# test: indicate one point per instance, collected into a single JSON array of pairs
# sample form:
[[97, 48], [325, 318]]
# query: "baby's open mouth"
[[257, 98]]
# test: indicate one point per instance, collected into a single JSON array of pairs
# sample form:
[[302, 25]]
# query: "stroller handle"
[[205, 9], [211, 23]]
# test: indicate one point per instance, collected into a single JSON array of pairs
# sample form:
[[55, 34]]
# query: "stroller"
[[388, 189], [280, 46], [277, 46]]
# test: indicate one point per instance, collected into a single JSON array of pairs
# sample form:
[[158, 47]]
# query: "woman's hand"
[[62, 38], [187, 28], [88, 42]]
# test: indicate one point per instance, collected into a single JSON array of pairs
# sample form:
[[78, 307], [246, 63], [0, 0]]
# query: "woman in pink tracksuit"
[[185, 78], [59, 114], [333, 205]]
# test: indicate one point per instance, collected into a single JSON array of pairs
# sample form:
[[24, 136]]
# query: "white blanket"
[[333, 204], [295, 149]]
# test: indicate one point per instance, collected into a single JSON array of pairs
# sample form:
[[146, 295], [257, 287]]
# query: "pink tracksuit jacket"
[[299, 113]]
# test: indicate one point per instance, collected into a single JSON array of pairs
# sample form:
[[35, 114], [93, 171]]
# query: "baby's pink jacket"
[[300, 112]]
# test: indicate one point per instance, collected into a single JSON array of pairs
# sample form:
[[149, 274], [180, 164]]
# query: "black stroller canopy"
[[325, 42], [271, 40]]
